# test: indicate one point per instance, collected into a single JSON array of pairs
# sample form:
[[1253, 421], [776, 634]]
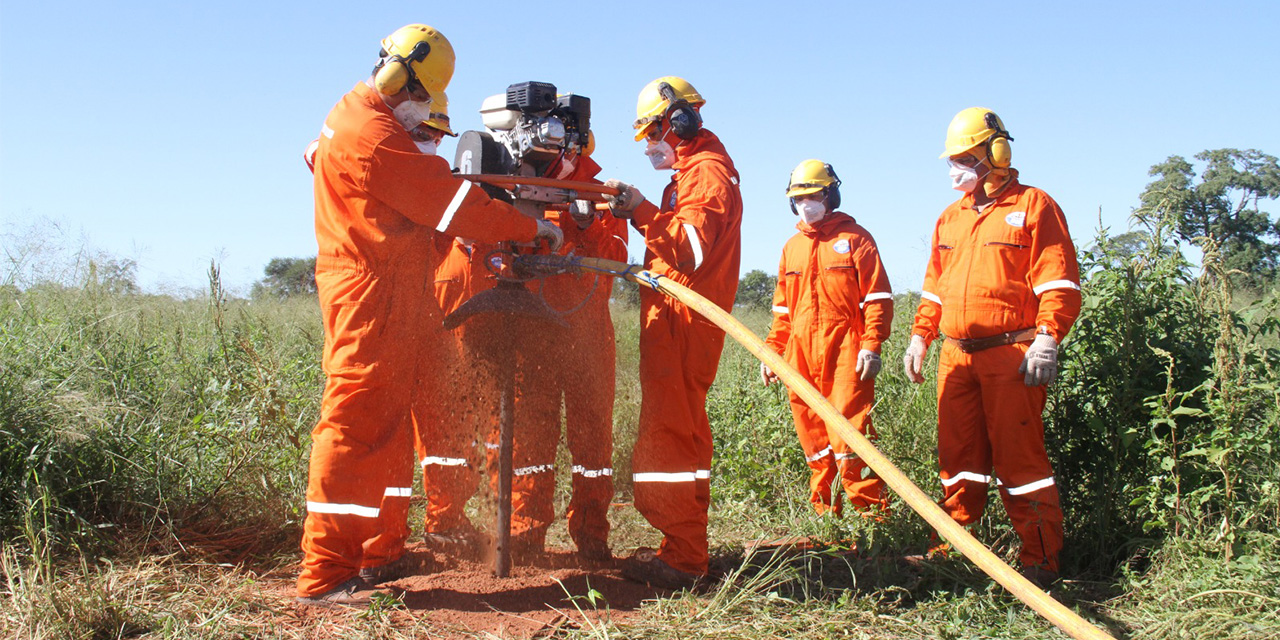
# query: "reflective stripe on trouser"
[[990, 421], [588, 408], [828, 455], [448, 439], [537, 434], [678, 361], [364, 429]]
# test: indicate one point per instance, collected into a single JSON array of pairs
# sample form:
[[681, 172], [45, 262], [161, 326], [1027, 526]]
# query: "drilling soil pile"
[[549, 591]]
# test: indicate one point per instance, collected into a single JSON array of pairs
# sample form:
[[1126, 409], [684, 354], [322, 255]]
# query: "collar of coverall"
[[967, 199], [827, 225], [696, 149]]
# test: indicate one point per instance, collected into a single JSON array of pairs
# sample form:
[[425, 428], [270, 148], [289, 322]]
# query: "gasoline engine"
[[530, 131]]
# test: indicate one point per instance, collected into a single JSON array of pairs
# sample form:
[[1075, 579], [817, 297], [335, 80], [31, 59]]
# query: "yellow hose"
[[1052, 610]]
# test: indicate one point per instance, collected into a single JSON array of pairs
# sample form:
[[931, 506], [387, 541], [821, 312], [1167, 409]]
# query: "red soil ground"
[[538, 597]]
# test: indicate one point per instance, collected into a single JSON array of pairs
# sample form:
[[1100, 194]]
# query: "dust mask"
[[428, 147], [963, 178], [412, 113], [661, 155], [811, 211]]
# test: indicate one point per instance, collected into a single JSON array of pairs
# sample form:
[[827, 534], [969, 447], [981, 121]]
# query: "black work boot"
[[593, 550], [1040, 577], [355, 592], [403, 566], [645, 566]]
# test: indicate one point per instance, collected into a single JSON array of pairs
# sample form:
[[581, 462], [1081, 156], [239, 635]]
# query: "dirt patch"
[[544, 593]]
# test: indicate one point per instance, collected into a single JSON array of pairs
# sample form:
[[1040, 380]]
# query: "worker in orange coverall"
[[382, 551], [379, 204], [1003, 287], [579, 365], [586, 375], [832, 309], [693, 236]]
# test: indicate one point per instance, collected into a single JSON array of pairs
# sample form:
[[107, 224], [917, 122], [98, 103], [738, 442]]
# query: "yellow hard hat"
[[415, 51], [972, 127], [810, 176], [652, 104], [591, 144], [439, 118]]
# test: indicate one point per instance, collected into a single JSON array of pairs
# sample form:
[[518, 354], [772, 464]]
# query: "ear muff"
[[833, 191], [393, 71], [685, 121], [791, 201], [998, 144]]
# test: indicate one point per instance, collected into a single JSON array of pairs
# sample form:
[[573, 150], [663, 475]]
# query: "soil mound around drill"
[[545, 592]]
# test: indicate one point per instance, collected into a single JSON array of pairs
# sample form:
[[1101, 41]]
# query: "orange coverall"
[[833, 300], [1009, 267], [586, 373], [379, 204], [693, 236]]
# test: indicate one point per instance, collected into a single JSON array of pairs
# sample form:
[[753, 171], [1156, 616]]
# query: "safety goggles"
[[966, 160]]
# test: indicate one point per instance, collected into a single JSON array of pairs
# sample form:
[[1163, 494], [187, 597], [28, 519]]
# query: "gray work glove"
[[1040, 364], [767, 375], [913, 361], [868, 365], [548, 231], [583, 212], [624, 204]]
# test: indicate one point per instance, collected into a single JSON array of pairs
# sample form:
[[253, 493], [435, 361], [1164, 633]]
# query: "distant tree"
[[1223, 205], [113, 275], [287, 277], [755, 290]]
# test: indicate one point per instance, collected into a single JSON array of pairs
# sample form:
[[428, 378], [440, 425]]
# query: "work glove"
[[913, 361], [1040, 364], [548, 231], [624, 204], [868, 364], [767, 375], [583, 212]]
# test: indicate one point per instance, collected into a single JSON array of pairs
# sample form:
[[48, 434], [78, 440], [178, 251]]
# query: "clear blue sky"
[[172, 133]]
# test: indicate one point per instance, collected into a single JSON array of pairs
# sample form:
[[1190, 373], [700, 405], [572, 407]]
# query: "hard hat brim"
[[803, 191], [642, 129]]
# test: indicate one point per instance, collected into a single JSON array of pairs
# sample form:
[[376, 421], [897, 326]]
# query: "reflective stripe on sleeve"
[[781, 310], [592, 473], [532, 469], [444, 462], [965, 475], [883, 295], [1031, 486], [819, 455], [326, 131], [342, 509], [453, 206], [693, 243], [1054, 284], [399, 492], [931, 297], [684, 476]]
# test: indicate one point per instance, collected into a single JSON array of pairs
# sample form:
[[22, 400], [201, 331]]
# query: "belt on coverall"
[[974, 345]]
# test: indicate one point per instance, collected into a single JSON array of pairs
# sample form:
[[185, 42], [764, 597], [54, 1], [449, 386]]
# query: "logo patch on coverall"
[[841, 246], [673, 200], [1017, 219]]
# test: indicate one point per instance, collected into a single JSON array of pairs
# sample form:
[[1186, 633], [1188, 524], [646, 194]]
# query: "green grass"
[[153, 459]]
